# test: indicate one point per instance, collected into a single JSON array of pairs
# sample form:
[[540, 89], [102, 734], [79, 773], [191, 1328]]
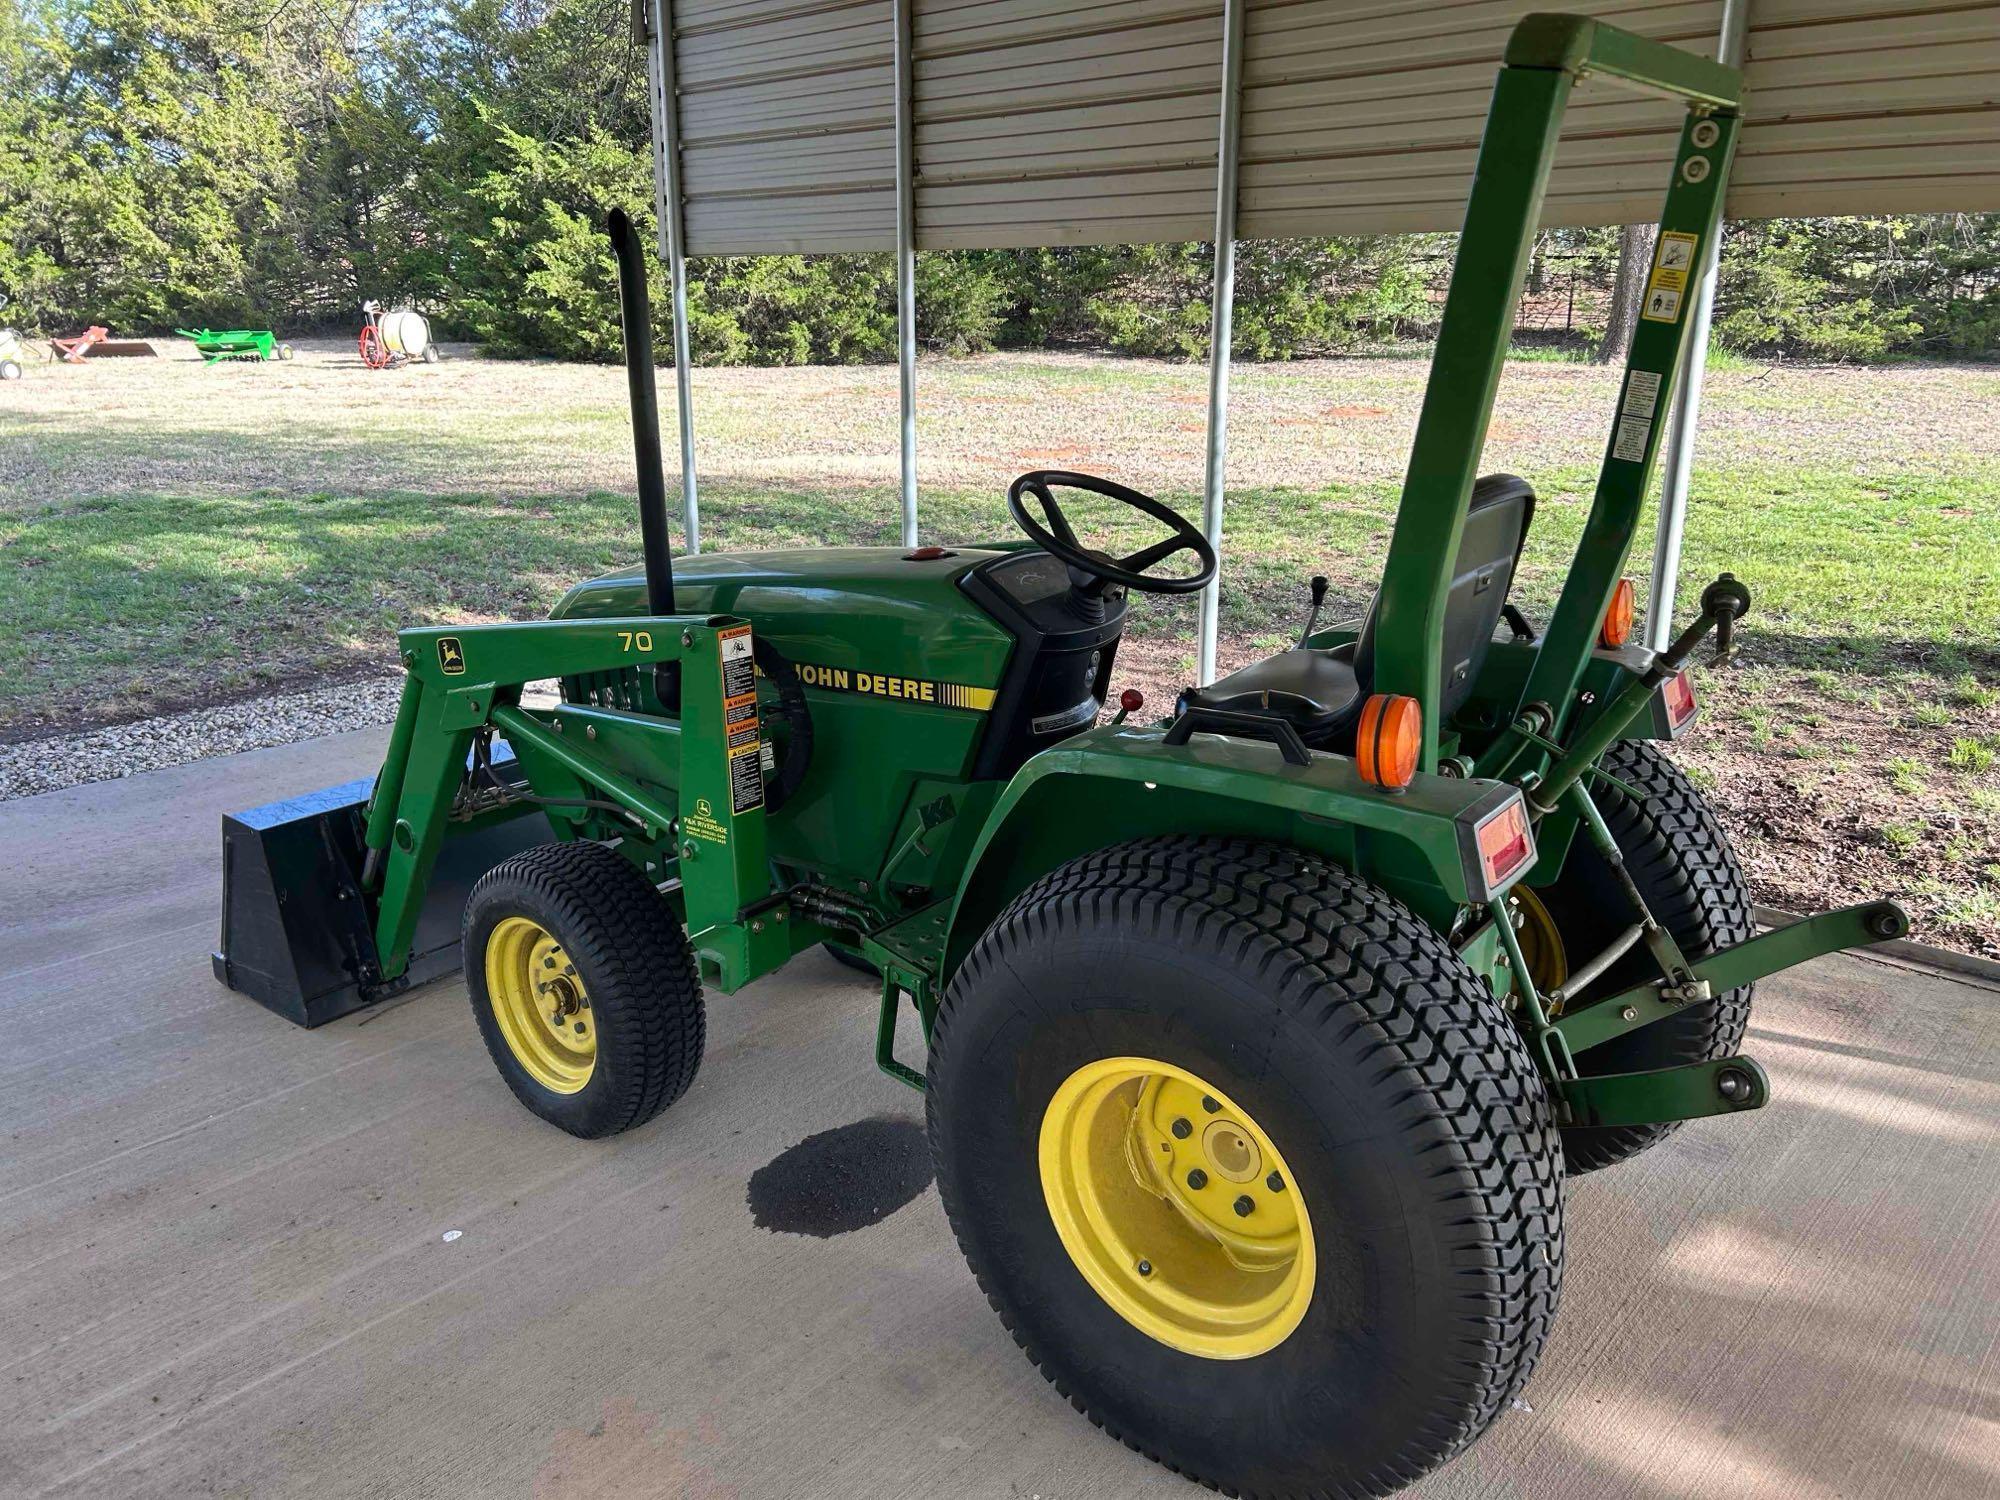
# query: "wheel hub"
[[1177, 1208], [1541, 940], [541, 1005]]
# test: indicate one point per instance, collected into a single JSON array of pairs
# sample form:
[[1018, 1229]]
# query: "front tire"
[[584, 987], [1681, 860], [1389, 1285]]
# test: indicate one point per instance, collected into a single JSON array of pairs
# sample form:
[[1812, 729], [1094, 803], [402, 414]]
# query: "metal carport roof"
[[953, 124]]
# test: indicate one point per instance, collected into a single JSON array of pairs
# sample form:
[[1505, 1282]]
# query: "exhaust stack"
[[635, 308]]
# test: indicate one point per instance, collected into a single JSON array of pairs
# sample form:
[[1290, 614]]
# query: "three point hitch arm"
[[1719, 1086]]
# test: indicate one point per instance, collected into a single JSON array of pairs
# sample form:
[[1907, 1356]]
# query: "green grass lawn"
[[171, 535]]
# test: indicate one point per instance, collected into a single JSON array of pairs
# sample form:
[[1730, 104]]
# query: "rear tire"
[[584, 987], [1682, 862], [1416, 1136]]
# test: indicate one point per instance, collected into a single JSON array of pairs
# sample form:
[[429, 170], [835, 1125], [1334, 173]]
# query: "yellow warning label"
[[739, 718], [889, 685], [1673, 268]]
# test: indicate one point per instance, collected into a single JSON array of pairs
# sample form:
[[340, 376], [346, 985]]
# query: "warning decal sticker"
[[739, 717], [1673, 267], [1635, 416]]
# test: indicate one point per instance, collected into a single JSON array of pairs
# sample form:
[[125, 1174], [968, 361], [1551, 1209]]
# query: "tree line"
[[274, 162]]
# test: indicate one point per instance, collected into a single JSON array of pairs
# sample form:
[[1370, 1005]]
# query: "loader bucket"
[[296, 927]]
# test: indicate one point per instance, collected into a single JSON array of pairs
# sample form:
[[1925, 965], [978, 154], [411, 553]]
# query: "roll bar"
[[1545, 58]]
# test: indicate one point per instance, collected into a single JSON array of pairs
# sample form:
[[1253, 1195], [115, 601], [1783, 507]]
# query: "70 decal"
[[635, 640]]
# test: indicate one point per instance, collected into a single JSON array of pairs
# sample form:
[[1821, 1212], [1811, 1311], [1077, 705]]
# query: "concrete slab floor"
[[224, 1267]]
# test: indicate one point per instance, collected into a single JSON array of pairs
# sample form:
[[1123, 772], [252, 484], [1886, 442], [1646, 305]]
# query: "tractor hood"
[[879, 609]]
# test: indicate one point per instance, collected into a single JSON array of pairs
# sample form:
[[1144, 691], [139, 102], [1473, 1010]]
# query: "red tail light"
[[1506, 845], [1677, 693]]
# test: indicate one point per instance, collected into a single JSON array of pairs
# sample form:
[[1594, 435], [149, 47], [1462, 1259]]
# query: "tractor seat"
[[1320, 692]]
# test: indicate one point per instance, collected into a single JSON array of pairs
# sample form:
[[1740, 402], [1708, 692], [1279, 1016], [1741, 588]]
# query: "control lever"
[[1318, 598], [1723, 602], [1727, 601]]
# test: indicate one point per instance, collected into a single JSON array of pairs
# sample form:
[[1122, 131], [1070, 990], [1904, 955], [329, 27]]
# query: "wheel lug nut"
[[1243, 1206], [548, 963], [1145, 1268], [1182, 1129], [1197, 1179], [1275, 1183], [1209, 1104], [579, 1028]]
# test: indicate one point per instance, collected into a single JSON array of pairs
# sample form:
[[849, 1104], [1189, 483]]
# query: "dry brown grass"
[[322, 422]]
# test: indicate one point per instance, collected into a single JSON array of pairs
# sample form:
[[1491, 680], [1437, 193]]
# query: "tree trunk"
[[1635, 258]]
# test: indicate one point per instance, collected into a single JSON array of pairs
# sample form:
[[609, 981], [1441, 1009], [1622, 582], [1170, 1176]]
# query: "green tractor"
[[1263, 1039]]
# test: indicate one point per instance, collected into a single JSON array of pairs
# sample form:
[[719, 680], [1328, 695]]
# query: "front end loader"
[[1261, 1039]]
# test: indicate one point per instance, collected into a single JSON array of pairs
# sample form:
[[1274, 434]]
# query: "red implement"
[[99, 339]]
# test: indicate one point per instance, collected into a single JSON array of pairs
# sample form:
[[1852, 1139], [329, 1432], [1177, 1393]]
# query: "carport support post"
[[1671, 529], [906, 264], [1222, 322], [673, 234]]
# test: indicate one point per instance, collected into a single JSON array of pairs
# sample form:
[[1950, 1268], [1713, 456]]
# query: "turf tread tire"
[[1351, 967], [1682, 862], [633, 956]]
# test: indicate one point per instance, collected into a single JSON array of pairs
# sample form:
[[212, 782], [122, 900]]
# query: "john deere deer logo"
[[451, 656]]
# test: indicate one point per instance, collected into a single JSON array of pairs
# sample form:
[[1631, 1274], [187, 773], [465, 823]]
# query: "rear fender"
[[1113, 784]]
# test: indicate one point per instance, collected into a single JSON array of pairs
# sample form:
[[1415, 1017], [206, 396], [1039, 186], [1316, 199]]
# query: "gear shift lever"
[[1319, 598]]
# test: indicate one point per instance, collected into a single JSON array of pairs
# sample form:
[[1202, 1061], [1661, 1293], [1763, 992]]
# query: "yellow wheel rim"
[[540, 1004], [1541, 941], [1177, 1208]]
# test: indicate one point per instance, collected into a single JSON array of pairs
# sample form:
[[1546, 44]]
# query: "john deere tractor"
[[1263, 1038]]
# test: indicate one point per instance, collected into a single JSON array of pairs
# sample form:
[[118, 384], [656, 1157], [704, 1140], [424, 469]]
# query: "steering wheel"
[[1059, 540]]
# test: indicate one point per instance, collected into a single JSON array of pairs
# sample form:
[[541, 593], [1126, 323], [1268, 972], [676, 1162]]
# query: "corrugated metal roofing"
[[1044, 122]]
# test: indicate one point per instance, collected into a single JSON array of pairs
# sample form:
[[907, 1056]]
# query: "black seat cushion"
[[1316, 692], [1320, 693]]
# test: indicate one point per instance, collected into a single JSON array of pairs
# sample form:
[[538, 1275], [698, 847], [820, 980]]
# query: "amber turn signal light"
[[1386, 744], [1617, 627]]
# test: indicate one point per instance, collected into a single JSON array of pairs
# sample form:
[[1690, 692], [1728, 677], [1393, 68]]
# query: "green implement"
[[1259, 1039], [236, 343]]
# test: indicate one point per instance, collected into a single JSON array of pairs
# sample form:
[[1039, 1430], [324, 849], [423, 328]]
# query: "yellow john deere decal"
[[888, 685], [451, 656]]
